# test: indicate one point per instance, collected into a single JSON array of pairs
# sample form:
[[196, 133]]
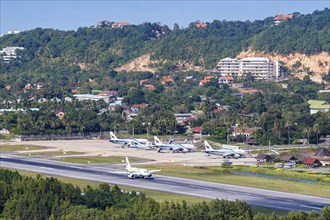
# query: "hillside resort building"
[[258, 67]]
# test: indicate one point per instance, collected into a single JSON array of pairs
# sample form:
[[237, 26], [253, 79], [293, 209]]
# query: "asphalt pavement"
[[204, 189]]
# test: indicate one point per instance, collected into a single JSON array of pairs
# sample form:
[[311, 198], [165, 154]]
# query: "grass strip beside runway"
[[221, 175], [9, 147], [50, 153]]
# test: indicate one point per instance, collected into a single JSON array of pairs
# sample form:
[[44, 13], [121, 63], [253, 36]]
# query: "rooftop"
[[318, 104]]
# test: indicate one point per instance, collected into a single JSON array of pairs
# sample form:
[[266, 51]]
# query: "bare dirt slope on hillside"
[[141, 63], [318, 63]]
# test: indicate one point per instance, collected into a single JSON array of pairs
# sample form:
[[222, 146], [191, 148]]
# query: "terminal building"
[[260, 68]]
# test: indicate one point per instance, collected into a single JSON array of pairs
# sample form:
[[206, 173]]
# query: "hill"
[[54, 55]]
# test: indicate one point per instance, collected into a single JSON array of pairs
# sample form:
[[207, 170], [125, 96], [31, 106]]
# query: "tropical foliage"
[[47, 198]]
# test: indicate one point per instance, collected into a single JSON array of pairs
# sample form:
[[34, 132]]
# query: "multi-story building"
[[9, 53], [258, 67]]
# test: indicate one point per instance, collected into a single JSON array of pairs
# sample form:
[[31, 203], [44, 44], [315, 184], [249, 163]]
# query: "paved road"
[[253, 196]]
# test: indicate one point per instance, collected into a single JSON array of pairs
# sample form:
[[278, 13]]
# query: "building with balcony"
[[258, 67]]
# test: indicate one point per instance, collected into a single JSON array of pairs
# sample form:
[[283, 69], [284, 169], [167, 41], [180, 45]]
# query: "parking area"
[[104, 148]]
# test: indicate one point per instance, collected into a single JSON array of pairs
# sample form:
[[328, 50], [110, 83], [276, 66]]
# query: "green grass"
[[289, 173], [221, 175], [157, 195], [8, 147], [50, 153], [96, 159]]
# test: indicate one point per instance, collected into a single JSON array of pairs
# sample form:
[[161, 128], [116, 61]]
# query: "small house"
[[323, 155], [264, 158], [312, 162], [289, 158]]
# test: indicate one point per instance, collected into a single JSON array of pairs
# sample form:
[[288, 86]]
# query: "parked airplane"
[[134, 172], [130, 142], [173, 147], [222, 152]]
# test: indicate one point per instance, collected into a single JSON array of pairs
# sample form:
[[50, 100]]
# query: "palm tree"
[[307, 132], [316, 129], [288, 125], [277, 127]]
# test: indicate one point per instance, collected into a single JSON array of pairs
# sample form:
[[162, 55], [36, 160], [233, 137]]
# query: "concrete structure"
[[9, 53], [258, 67], [82, 97], [316, 106], [248, 132], [180, 118]]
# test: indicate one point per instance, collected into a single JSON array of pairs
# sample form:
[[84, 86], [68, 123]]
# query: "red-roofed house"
[[196, 130], [209, 77], [201, 25], [283, 17], [8, 87], [150, 87], [226, 79], [312, 162], [203, 82], [167, 79], [136, 107]]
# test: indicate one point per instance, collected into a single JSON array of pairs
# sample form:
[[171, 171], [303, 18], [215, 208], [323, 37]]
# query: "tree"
[[316, 129]]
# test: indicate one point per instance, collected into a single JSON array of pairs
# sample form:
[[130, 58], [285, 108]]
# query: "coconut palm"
[[316, 129]]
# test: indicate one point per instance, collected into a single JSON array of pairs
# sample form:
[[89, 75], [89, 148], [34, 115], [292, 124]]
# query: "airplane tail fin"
[[157, 141], [171, 141], [128, 165], [207, 145], [113, 136]]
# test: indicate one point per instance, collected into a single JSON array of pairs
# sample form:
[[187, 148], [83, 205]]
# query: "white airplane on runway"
[[235, 153], [173, 147], [130, 142], [134, 172]]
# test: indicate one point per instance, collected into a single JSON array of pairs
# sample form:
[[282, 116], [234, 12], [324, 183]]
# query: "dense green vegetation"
[[84, 60], [47, 198], [280, 113], [55, 54]]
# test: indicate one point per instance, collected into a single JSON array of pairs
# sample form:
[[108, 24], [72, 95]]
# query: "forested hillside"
[[47, 198], [84, 61], [64, 53]]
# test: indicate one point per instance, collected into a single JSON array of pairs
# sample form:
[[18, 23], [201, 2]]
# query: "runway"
[[253, 196]]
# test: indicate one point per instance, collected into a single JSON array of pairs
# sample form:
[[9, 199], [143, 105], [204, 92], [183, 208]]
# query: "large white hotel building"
[[258, 67]]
